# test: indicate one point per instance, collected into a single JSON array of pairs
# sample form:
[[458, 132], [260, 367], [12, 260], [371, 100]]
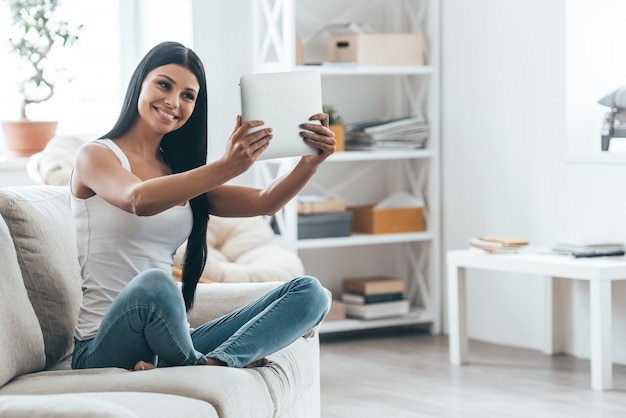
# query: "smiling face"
[[168, 97]]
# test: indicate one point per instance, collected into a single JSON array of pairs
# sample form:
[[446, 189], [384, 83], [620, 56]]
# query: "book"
[[387, 133], [505, 240], [374, 285], [591, 249], [367, 299], [497, 245], [378, 310]]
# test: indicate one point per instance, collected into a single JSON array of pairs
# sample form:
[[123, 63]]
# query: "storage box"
[[313, 206], [369, 220], [337, 311], [376, 48], [325, 225]]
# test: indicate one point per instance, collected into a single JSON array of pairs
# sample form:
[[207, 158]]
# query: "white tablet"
[[283, 101]]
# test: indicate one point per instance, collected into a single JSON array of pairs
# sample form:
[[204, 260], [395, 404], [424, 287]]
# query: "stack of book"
[[590, 249], [497, 245], [387, 134], [374, 297]]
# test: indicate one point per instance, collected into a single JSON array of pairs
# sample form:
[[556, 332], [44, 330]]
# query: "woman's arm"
[[246, 201], [98, 171]]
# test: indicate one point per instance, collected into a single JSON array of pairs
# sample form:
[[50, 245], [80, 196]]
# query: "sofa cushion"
[[233, 392], [104, 405], [245, 250], [40, 222], [21, 341]]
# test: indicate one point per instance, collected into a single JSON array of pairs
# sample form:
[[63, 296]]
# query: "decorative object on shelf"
[[377, 48], [38, 34], [614, 123], [336, 125]]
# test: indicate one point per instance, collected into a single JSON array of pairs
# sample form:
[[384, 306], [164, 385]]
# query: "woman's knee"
[[153, 284], [316, 296]]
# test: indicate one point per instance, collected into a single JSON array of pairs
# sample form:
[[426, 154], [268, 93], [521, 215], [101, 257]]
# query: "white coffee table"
[[599, 272]]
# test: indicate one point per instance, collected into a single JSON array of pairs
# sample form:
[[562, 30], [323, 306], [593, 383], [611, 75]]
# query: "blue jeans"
[[147, 321]]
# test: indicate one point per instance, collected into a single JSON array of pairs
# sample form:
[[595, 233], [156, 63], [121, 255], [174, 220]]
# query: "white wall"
[[222, 39], [504, 171]]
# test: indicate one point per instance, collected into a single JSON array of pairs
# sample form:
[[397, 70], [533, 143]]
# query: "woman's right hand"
[[243, 147]]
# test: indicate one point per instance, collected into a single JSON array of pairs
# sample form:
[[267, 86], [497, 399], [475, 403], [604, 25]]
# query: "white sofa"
[[39, 299]]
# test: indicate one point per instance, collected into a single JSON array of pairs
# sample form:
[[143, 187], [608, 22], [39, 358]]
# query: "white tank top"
[[114, 246]]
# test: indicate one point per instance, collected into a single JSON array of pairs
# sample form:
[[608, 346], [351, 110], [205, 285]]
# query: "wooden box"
[[369, 220], [376, 48]]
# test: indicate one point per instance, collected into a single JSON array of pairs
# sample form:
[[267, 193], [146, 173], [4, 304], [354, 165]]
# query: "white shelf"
[[354, 69], [380, 155], [362, 92], [363, 239], [415, 317]]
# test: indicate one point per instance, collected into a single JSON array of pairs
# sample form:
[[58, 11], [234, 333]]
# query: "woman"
[[143, 189]]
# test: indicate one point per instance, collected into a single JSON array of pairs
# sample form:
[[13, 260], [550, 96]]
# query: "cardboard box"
[[337, 311], [325, 225], [309, 207], [376, 48], [369, 220]]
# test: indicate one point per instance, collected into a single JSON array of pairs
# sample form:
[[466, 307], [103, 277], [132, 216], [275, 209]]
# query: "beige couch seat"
[[104, 405]]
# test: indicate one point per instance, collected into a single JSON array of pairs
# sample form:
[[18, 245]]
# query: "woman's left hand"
[[320, 137]]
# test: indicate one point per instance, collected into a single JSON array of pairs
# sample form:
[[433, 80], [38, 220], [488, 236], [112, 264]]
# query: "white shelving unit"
[[362, 177]]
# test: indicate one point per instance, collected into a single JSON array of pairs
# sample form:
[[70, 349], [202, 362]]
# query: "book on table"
[[590, 249], [497, 245]]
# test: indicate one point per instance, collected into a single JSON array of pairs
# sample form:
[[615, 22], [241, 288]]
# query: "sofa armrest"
[[216, 299]]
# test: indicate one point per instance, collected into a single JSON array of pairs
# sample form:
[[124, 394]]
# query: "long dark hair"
[[183, 149]]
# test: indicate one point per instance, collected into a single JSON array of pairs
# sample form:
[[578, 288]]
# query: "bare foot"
[[143, 365], [259, 363], [214, 362]]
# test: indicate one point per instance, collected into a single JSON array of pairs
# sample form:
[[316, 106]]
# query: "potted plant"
[[37, 34], [336, 125]]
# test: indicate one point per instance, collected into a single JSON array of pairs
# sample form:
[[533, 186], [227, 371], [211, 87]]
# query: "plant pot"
[[25, 138], [339, 131]]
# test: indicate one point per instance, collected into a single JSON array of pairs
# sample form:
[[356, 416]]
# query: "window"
[[87, 105]]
